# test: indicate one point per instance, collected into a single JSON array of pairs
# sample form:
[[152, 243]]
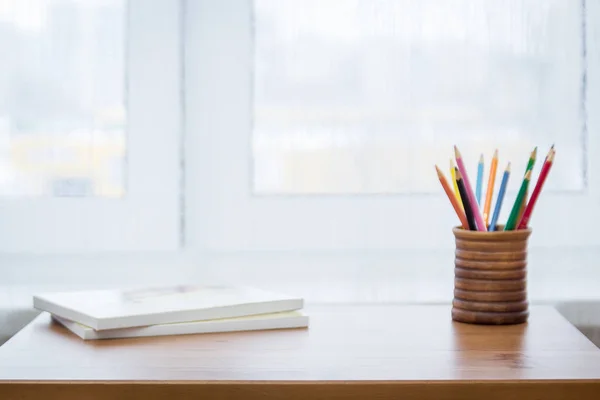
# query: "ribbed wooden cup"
[[490, 277]]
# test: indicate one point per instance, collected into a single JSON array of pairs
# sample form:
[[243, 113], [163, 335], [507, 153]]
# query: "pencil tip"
[[481, 159], [456, 152], [534, 152], [458, 174], [508, 167], [496, 153]]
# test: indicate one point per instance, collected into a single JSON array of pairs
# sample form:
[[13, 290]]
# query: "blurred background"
[[360, 96], [288, 144], [348, 95], [62, 98]]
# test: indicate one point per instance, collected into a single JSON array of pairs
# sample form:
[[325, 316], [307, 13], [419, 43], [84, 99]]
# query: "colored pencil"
[[500, 199], [530, 165], [490, 187], [469, 191], [536, 190], [479, 183], [465, 198], [549, 151], [453, 175], [531, 161], [461, 215], [511, 224], [523, 203]]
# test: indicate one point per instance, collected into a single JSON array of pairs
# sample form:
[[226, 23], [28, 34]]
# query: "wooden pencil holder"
[[490, 277]]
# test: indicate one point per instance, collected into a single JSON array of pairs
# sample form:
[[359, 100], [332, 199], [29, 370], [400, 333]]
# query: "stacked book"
[[171, 310]]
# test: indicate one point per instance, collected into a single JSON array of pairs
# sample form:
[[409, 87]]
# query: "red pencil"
[[536, 191]]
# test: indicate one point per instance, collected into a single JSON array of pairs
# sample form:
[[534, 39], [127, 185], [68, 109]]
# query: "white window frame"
[[219, 157], [148, 217]]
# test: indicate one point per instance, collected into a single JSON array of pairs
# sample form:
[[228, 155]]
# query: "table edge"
[[556, 389], [307, 382]]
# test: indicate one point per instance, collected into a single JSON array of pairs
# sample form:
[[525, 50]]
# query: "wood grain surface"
[[490, 268], [379, 352]]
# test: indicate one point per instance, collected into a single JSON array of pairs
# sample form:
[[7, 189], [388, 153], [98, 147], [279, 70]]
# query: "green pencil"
[[531, 161], [511, 224], [530, 165]]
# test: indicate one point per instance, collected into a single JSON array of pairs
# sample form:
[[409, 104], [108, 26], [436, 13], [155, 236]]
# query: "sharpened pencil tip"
[[550, 152], [456, 152], [495, 154], [440, 173], [458, 174], [481, 159], [508, 167], [534, 153]]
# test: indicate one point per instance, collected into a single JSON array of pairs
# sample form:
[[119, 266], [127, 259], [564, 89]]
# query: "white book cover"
[[127, 308], [283, 320]]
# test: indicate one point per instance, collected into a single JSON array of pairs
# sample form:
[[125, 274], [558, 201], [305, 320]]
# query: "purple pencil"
[[474, 205]]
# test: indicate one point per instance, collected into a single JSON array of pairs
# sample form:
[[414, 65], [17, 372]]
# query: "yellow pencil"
[[454, 184]]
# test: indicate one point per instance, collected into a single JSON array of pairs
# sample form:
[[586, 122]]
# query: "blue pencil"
[[498, 206], [479, 180]]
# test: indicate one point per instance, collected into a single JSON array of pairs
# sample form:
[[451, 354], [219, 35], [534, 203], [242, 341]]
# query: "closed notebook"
[[283, 320], [114, 309]]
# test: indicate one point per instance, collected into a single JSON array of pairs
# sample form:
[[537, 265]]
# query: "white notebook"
[[283, 320], [114, 309]]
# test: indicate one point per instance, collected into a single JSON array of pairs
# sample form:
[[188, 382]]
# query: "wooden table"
[[357, 352]]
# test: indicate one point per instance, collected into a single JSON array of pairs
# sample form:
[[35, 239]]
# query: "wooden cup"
[[490, 277]]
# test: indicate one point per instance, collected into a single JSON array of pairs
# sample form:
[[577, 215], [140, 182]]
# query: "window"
[[309, 125], [357, 96], [89, 125], [63, 117], [174, 133], [322, 120]]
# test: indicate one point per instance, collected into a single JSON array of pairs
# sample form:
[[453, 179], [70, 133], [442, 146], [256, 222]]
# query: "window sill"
[[353, 277]]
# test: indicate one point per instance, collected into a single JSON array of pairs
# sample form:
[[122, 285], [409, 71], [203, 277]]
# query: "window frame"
[[148, 216], [219, 88]]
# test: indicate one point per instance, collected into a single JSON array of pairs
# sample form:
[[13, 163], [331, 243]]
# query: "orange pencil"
[[490, 188], [452, 198]]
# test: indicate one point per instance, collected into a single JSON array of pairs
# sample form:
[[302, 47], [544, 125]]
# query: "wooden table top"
[[348, 351]]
